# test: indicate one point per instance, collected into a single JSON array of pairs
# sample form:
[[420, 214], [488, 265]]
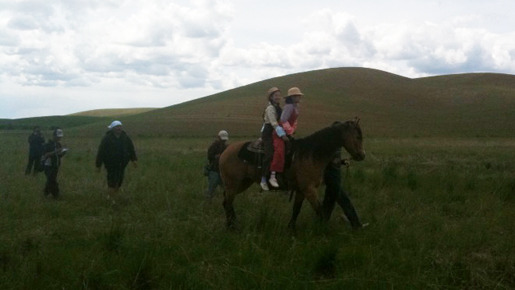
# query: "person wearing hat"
[[36, 142], [271, 129], [115, 151], [288, 121], [53, 151], [213, 155]]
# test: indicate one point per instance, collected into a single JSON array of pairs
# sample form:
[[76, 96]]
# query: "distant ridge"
[[389, 105], [113, 112]]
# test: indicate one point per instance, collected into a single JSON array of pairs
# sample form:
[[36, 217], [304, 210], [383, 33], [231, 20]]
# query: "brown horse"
[[310, 157]]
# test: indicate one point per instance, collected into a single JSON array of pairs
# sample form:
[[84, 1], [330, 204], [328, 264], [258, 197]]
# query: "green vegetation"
[[48, 123], [441, 214], [468, 105], [113, 112], [437, 187]]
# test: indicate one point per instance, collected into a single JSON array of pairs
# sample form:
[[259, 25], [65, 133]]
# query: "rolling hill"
[[113, 112], [466, 105], [463, 105]]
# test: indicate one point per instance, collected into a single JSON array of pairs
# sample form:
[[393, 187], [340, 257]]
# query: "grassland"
[[441, 214], [437, 187]]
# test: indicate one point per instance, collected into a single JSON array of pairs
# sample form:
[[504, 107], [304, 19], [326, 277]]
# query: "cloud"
[[188, 48], [151, 39]]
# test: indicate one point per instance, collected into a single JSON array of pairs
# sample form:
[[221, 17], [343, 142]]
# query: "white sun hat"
[[114, 124]]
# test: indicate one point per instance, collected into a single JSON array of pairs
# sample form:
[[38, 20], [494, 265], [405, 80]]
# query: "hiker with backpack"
[[213, 156], [53, 151]]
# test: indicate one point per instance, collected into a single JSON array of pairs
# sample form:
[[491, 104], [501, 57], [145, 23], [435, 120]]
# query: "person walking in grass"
[[53, 151], [115, 151], [213, 155], [36, 142], [334, 193]]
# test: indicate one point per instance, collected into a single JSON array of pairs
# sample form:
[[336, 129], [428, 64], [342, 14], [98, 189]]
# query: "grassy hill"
[[464, 105], [389, 105], [70, 121], [113, 112], [48, 122]]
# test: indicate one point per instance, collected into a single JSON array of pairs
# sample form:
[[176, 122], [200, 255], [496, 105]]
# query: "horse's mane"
[[322, 143]]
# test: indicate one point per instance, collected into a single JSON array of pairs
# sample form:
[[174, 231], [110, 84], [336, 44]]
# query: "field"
[[441, 212]]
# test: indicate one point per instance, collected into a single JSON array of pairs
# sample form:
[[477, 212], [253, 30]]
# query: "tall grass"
[[441, 215]]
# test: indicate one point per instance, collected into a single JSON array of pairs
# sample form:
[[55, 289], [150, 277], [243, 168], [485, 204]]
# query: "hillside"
[[113, 112], [463, 105], [389, 105], [70, 121]]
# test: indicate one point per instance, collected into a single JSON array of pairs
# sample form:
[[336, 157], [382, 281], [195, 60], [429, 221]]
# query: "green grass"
[[441, 214]]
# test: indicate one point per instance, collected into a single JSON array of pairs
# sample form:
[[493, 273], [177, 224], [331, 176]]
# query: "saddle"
[[252, 152]]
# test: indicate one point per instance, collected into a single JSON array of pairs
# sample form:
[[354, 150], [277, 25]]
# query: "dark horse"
[[310, 157]]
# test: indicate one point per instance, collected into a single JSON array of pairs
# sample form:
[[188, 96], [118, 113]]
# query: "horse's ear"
[[356, 120]]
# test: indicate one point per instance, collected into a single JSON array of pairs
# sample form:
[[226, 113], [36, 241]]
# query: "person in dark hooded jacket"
[[36, 146], [115, 151]]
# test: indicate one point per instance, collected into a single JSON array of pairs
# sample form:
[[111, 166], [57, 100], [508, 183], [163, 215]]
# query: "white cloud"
[[171, 51]]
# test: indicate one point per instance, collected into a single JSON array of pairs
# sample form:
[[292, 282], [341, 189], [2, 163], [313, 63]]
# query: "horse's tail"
[[291, 195]]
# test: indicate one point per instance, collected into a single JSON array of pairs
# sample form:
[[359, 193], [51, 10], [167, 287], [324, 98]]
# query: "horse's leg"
[[229, 209], [297, 204], [312, 197]]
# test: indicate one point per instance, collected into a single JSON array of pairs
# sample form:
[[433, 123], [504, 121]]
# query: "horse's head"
[[352, 138]]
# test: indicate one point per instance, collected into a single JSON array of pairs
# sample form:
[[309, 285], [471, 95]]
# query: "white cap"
[[58, 133], [223, 135], [114, 124]]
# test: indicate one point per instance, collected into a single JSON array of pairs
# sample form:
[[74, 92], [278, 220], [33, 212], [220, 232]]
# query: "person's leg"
[[112, 183], [348, 209], [332, 180], [54, 186], [277, 165], [268, 147], [30, 165], [213, 179], [47, 189]]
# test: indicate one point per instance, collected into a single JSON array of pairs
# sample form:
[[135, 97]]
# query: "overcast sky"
[[64, 56]]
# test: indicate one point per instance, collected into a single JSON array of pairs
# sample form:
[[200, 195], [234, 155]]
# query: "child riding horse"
[[310, 157]]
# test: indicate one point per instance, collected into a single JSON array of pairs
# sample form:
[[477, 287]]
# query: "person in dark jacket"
[[53, 151], [213, 155], [36, 142], [115, 151], [334, 192]]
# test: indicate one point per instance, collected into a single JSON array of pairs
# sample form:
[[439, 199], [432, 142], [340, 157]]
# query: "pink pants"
[[277, 164]]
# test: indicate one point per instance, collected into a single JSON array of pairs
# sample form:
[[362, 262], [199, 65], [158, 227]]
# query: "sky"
[[66, 56]]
